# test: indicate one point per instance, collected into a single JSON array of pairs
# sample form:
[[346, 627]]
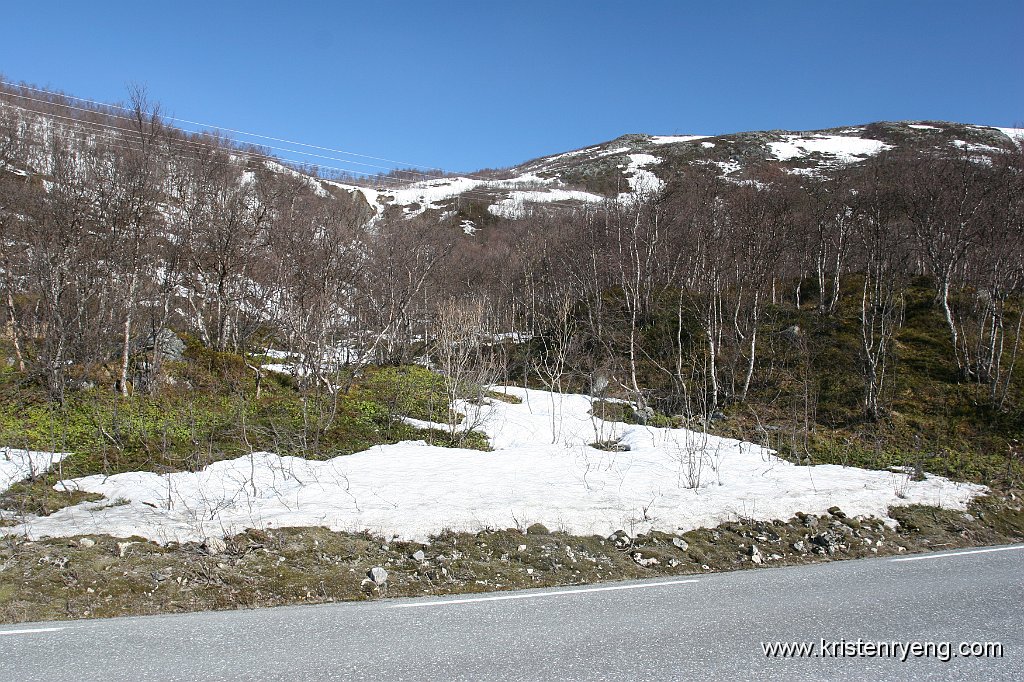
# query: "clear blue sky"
[[465, 85]]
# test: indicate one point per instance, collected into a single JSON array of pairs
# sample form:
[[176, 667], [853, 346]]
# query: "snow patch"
[[1015, 134], [514, 205], [17, 465], [542, 469], [676, 139], [642, 182], [840, 148]]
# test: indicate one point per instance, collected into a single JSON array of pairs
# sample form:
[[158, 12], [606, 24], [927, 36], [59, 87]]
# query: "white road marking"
[[29, 632], [536, 595], [951, 554]]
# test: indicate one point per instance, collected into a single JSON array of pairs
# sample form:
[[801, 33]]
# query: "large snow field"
[[542, 469]]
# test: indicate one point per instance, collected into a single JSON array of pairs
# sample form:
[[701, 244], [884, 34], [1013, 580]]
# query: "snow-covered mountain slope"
[[635, 166]]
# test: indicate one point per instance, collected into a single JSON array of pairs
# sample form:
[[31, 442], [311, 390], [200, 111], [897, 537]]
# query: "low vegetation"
[[89, 577]]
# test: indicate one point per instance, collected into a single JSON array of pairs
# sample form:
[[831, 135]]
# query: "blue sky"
[[466, 85]]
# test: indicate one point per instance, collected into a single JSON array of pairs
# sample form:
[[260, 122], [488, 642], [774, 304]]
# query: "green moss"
[[206, 409]]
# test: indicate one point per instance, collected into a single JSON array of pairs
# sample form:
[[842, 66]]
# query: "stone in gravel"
[[682, 544], [86, 542], [799, 546], [214, 545], [826, 539], [161, 575], [377, 575], [122, 548], [644, 561], [538, 529], [418, 555], [755, 554], [620, 539]]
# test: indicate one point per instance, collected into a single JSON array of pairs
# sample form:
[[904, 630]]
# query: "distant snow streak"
[[841, 148]]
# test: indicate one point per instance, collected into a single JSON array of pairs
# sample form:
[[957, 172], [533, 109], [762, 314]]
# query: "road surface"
[[707, 627]]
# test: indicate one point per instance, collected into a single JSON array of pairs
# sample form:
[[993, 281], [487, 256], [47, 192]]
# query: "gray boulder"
[[164, 343], [378, 576], [643, 414]]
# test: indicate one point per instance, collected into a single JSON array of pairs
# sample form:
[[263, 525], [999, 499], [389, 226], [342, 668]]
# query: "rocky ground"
[[100, 576]]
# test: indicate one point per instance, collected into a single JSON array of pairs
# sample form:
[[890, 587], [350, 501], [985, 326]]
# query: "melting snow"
[[841, 148], [514, 206], [541, 470], [676, 139], [17, 465], [1015, 134], [642, 182]]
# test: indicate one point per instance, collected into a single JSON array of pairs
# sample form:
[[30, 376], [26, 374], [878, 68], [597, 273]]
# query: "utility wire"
[[471, 193]]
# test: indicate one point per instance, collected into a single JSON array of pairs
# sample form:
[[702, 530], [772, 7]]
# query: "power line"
[[470, 192], [216, 127], [195, 145]]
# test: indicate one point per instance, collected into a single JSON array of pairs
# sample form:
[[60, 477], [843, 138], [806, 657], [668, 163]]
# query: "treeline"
[[113, 232], [678, 291]]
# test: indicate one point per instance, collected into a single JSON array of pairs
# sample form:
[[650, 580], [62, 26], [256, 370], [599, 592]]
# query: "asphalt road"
[[707, 627]]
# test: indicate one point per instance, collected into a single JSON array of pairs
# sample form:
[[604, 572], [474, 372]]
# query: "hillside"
[[225, 374], [634, 166]]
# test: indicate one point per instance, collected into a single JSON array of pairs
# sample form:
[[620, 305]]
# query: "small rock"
[[682, 544], [418, 555], [969, 517], [645, 561], [799, 546], [837, 512], [161, 575], [86, 542], [122, 548], [521, 548], [755, 554], [214, 545], [644, 414], [377, 575], [620, 540], [825, 539], [537, 529], [705, 567]]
